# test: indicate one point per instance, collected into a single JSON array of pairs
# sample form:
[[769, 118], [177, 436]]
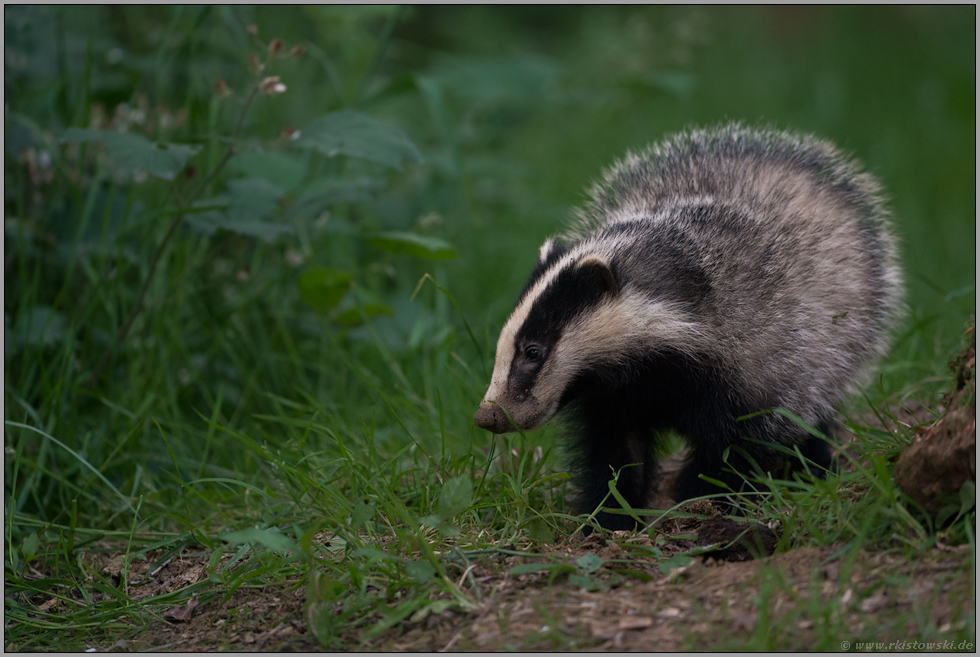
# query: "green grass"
[[175, 386]]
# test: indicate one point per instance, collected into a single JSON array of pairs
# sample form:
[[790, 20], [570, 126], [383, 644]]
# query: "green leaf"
[[674, 562], [420, 246], [341, 190], [622, 501], [29, 547], [360, 514], [38, 326], [588, 563], [702, 549], [583, 582], [21, 133], [715, 482], [243, 208], [524, 568], [449, 530], [646, 550], [420, 571], [636, 574], [323, 588], [336, 544], [433, 521], [539, 531], [681, 85], [968, 496], [353, 317], [436, 607], [284, 169], [136, 152], [215, 559], [321, 618], [253, 198], [358, 135], [270, 538], [373, 554], [397, 615], [264, 230], [455, 496], [961, 292], [517, 79], [323, 288], [319, 195]]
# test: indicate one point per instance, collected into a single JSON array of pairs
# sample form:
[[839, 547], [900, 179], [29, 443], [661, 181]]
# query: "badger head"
[[549, 339]]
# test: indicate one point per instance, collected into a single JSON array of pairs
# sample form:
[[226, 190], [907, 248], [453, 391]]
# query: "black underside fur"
[[615, 417]]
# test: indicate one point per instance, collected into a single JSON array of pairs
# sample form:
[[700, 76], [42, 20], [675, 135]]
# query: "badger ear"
[[551, 249], [599, 273]]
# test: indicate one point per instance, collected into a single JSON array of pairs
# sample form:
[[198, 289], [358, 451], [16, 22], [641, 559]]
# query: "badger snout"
[[490, 416]]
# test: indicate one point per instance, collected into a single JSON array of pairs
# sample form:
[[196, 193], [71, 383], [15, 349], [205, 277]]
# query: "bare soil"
[[943, 456], [710, 603]]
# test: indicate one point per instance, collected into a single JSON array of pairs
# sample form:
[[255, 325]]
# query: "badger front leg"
[[606, 443]]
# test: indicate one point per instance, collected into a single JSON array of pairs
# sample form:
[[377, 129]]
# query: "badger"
[[707, 281]]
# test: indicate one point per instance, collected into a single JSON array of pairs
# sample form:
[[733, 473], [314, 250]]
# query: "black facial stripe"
[[522, 377], [574, 290], [665, 261]]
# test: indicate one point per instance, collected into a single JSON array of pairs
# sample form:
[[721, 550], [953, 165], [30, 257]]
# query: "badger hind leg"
[[607, 442], [709, 464], [818, 451], [737, 471]]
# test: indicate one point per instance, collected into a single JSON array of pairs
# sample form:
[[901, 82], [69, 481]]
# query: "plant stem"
[[377, 57], [140, 298]]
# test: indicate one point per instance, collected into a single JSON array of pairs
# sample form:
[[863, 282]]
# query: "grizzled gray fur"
[[719, 274]]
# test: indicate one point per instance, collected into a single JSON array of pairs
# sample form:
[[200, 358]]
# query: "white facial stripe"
[[545, 249], [615, 332]]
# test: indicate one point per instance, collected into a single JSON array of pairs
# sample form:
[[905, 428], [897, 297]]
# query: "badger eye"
[[532, 353]]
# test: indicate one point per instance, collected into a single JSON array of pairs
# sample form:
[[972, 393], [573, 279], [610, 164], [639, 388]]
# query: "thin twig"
[[138, 307]]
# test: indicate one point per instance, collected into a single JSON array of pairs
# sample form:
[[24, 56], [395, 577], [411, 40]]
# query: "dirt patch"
[[943, 456], [192, 615], [710, 604], [740, 541], [940, 459], [254, 619], [788, 601], [629, 602]]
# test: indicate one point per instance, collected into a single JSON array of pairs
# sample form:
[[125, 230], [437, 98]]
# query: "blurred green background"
[[513, 112]]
